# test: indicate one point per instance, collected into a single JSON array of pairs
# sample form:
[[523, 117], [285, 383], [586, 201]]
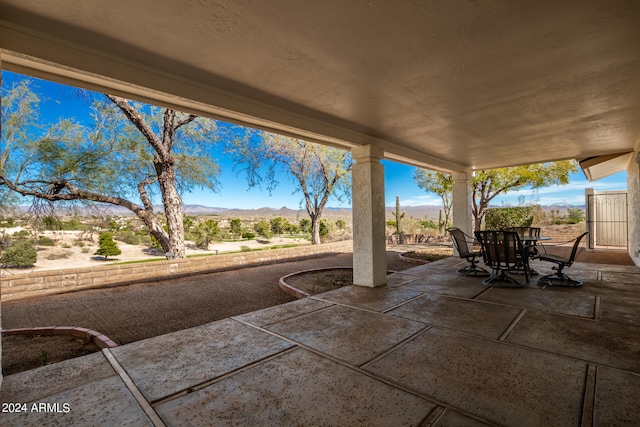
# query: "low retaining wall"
[[48, 282]]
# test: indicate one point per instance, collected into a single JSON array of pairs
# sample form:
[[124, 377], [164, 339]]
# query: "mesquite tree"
[[126, 154], [488, 184], [318, 170]]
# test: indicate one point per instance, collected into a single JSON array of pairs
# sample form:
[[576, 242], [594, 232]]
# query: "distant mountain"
[[417, 212]]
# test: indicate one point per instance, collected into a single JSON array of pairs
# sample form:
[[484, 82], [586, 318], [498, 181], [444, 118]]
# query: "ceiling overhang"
[[598, 167], [452, 86]]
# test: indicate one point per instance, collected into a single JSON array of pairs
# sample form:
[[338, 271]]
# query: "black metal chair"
[[559, 278], [528, 232], [504, 253], [464, 245]]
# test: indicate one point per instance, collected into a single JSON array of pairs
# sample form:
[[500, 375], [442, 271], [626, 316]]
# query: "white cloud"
[[427, 199]]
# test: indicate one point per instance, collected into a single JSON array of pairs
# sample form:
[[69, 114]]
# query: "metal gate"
[[607, 219]]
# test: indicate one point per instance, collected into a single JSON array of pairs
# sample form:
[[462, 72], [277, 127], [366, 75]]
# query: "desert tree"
[[206, 232], [235, 226], [439, 183], [107, 246], [127, 154], [318, 171], [486, 185]]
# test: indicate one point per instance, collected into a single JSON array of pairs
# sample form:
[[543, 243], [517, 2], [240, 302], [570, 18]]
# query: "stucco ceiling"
[[450, 84]]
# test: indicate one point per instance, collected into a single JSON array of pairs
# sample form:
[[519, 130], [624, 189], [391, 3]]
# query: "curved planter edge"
[[302, 294], [90, 335], [413, 260]]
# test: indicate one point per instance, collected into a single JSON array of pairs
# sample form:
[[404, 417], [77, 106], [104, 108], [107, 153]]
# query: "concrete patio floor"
[[431, 348]]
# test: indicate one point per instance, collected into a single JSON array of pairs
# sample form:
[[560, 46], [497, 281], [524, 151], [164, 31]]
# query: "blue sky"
[[61, 101]]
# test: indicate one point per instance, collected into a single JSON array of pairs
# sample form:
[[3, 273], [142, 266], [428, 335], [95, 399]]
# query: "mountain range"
[[418, 212]]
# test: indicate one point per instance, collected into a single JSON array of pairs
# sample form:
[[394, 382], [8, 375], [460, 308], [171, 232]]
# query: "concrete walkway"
[[430, 348]]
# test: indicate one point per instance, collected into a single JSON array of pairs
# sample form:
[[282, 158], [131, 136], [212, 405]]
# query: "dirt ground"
[[135, 312]]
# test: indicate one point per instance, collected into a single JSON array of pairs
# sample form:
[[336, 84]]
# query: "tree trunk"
[[172, 205], [155, 228], [315, 229]]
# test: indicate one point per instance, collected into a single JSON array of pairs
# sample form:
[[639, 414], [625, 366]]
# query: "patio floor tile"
[[376, 299], [600, 342], [617, 398], [602, 288], [622, 277], [396, 279], [103, 402], [548, 300], [477, 318], [174, 362], [352, 335], [619, 310], [56, 378], [444, 265], [451, 418], [282, 312], [293, 389], [496, 381], [445, 283]]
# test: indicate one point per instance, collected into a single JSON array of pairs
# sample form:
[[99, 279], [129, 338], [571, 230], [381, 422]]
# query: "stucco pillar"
[[462, 209], [369, 242]]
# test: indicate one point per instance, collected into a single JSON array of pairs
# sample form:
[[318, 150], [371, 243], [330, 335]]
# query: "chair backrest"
[[574, 250], [526, 231], [500, 249], [460, 241]]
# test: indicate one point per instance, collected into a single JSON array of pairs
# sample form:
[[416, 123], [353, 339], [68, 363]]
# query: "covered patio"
[[451, 86], [430, 347]]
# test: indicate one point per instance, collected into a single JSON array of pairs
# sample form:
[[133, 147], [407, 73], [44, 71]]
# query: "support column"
[[462, 210], [369, 241]]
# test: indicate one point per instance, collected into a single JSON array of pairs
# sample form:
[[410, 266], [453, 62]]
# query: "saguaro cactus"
[[399, 216]]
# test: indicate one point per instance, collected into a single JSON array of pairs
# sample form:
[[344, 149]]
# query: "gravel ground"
[[134, 312]]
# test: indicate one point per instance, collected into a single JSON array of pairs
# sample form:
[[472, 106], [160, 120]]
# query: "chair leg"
[[502, 276], [474, 270], [559, 279]]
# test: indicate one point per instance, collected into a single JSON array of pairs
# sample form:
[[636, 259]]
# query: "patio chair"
[[559, 278], [464, 245], [528, 232], [504, 253]]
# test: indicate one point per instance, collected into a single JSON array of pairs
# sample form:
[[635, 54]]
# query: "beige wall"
[[633, 189]]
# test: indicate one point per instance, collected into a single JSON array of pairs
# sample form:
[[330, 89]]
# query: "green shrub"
[[127, 236], [21, 254], [248, 235], [59, 255], [305, 225], [429, 224], [245, 248], [325, 228], [46, 241], [501, 218]]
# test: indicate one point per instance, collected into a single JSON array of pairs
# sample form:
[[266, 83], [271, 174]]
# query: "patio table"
[[530, 243]]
